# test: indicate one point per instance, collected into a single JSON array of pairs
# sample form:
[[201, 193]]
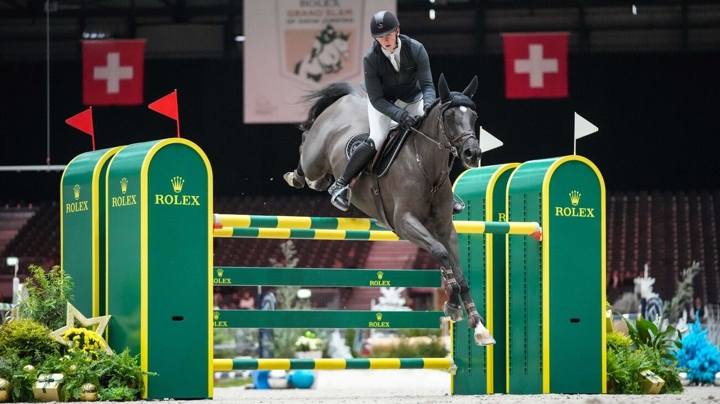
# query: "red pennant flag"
[[167, 106], [536, 65], [84, 122]]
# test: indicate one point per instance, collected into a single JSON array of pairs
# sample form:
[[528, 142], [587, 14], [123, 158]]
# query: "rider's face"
[[389, 41]]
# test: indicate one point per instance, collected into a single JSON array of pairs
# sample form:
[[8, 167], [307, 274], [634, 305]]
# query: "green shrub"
[[76, 370], [48, 294], [623, 370], [21, 382], [646, 348], [28, 339], [617, 340]]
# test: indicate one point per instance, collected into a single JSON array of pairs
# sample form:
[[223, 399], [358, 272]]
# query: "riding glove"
[[407, 121]]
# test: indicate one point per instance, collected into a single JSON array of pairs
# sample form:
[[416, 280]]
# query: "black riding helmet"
[[383, 23]]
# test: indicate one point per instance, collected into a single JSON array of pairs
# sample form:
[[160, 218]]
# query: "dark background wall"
[[658, 114]]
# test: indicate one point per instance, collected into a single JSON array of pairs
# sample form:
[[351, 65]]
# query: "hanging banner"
[[296, 46]]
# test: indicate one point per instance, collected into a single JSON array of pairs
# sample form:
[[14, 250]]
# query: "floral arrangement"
[[32, 344], [309, 342], [699, 356], [84, 340]]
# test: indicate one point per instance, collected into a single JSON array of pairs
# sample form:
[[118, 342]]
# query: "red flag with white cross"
[[536, 65], [113, 72]]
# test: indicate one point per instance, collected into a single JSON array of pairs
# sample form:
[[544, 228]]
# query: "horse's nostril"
[[468, 154]]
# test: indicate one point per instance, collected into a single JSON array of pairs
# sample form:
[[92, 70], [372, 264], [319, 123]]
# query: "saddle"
[[385, 156]]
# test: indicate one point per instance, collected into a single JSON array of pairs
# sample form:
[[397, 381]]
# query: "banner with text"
[[295, 46]]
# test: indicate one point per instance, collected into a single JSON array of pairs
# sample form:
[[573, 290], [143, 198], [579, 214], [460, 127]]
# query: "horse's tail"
[[323, 98]]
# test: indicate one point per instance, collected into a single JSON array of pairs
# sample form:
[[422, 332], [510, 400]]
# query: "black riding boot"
[[340, 189]]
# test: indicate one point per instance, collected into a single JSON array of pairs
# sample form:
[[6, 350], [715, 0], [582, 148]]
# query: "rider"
[[400, 88]]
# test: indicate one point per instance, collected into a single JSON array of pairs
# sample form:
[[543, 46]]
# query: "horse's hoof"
[[455, 313], [294, 180], [483, 336]]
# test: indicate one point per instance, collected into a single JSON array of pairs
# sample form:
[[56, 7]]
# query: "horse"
[[329, 50], [414, 198]]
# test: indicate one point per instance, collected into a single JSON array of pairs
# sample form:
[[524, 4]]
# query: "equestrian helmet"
[[383, 23]]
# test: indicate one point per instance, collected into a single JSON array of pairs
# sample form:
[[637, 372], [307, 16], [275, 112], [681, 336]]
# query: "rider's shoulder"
[[413, 45]]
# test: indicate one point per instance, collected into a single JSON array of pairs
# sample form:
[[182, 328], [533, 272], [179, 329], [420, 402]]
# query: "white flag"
[[583, 127], [488, 141]]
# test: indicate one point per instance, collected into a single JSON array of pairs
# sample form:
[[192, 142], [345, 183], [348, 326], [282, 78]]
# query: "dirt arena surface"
[[426, 387]]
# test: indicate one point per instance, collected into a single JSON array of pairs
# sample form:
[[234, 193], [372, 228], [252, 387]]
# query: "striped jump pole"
[[328, 228], [446, 364]]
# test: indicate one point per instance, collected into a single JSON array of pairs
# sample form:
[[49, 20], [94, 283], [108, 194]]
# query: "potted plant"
[[309, 346]]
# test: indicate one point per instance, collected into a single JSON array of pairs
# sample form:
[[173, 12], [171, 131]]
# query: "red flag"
[[536, 65], [84, 122], [113, 72], [168, 106]]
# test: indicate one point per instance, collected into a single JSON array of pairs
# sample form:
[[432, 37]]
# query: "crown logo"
[[123, 185], [220, 271], [216, 315], [378, 316], [380, 274], [177, 183], [574, 197], [76, 191]]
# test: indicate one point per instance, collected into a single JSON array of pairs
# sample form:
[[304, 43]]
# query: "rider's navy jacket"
[[384, 85]]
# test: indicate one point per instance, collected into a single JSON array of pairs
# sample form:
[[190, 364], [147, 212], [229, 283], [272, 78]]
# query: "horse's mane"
[[323, 98]]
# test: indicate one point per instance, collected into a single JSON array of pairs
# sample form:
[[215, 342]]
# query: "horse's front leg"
[[410, 228], [482, 335]]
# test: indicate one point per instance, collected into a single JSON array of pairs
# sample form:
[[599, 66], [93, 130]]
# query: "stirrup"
[[458, 204], [458, 207], [340, 196], [294, 179]]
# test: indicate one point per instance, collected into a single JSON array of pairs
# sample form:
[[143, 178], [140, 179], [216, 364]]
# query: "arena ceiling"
[[460, 27]]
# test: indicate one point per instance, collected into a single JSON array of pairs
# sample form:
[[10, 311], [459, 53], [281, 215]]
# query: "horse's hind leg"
[[295, 178]]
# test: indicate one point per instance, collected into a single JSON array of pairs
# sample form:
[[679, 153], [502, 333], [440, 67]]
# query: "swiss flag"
[[536, 65], [113, 72]]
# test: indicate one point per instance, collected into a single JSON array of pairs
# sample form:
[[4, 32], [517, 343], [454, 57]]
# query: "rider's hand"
[[407, 121]]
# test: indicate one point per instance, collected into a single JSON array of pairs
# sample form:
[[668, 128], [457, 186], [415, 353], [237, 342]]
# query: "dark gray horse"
[[415, 197]]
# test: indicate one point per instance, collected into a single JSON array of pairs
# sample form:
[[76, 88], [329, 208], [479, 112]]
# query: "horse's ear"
[[470, 90], [443, 89]]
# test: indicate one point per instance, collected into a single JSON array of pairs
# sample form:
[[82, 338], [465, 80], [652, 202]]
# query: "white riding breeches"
[[380, 123]]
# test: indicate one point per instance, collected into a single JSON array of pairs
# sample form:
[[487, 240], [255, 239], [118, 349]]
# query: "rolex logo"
[[575, 197], [380, 274], [378, 316], [216, 315], [177, 184], [220, 271], [76, 191], [123, 185]]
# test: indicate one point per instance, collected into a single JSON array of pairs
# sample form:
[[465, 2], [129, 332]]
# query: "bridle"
[[448, 147]]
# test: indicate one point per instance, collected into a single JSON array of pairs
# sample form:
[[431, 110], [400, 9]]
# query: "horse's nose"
[[472, 153]]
